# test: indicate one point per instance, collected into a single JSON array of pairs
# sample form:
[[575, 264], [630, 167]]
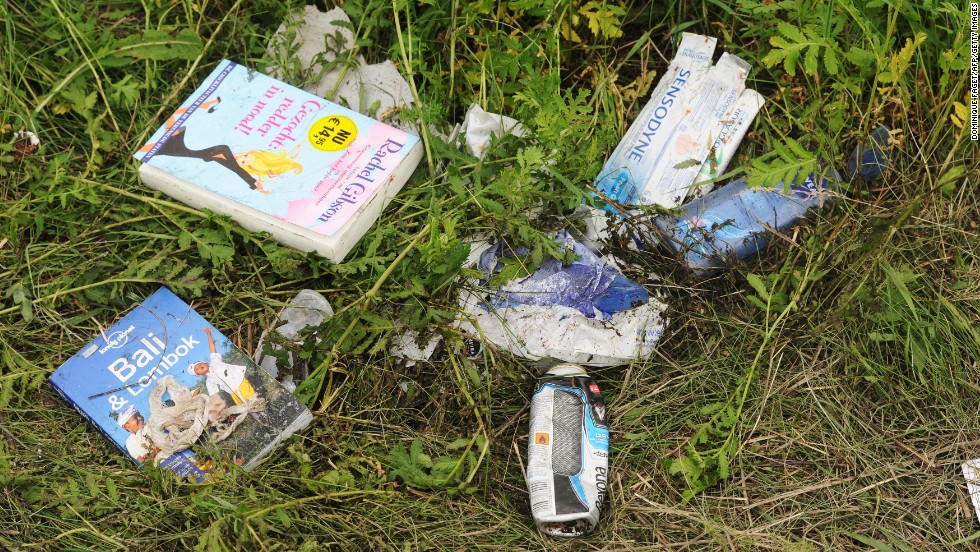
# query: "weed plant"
[[821, 396]]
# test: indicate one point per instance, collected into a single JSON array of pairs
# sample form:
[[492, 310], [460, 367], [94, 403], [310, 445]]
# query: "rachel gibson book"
[[275, 158]]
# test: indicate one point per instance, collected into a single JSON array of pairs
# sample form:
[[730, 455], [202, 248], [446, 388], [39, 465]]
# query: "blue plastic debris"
[[870, 159], [737, 221], [586, 311], [588, 284]]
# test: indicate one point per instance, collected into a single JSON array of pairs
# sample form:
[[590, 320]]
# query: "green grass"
[[821, 396]]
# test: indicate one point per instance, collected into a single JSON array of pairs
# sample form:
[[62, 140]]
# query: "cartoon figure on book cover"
[[254, 167]]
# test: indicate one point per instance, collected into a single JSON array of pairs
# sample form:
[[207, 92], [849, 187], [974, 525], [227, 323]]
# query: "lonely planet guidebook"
[[277, 159], [163, 347]]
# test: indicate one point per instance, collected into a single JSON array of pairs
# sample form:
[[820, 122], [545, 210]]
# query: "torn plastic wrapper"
[[308, 309], [325, 39], [586, 312], [480, 125], [406, 346], [736, 220]]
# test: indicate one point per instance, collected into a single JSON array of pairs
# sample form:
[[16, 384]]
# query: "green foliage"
[[912, 331], [20, 296], [845, 358], [5, 158], [793, 43], [715, 440], [212, 244], [899, 62], [788, 161], [704, 469], [767, 299], [417, 469]]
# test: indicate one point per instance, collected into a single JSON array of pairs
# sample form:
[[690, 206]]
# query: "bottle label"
[[568, 450]]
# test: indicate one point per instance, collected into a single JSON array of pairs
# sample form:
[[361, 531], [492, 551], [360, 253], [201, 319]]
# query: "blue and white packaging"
[[584, 312], [630, 167], [728, 134], [568, 452], [686, 141], [735, 220]]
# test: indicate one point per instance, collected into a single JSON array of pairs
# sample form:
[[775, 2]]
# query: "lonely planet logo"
[[116, 340]]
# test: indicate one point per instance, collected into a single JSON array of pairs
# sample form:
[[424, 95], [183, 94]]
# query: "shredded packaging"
[[585, 312]]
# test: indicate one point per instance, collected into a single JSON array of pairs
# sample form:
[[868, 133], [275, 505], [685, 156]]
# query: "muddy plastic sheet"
[[585, 312]]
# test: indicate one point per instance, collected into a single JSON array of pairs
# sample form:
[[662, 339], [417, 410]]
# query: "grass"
[[848, 353]]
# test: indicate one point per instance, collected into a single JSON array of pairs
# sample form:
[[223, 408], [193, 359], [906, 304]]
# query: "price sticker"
[[332, 133]]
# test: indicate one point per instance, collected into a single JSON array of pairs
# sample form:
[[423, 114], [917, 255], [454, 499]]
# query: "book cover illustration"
[[277, 149], [163, 342]]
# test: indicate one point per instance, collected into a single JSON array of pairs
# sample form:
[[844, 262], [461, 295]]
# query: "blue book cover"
[[163, 371]]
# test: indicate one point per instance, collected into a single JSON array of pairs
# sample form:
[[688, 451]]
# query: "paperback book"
[[163, 379], [313, 174]]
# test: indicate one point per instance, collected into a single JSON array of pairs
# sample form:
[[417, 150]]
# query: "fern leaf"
[[831, 64]]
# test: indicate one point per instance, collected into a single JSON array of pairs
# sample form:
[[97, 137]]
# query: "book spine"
[[85, 415]]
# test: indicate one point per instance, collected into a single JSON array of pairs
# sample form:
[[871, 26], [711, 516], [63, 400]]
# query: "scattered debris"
[[869, 160], [480, 125], [405, 346], [307, 310], [25, 143], [971, 472], [586, 312], [27, 136], [686, 132], [737, 221]]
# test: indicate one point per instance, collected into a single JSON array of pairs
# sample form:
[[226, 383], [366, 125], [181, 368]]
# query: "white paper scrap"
[[480, 125], [323, 39], [971, 472]]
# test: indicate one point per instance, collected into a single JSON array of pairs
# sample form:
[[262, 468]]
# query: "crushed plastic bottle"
[[568, 452], [736, 221]]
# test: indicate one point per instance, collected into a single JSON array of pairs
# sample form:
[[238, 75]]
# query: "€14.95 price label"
[[332, 133]]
